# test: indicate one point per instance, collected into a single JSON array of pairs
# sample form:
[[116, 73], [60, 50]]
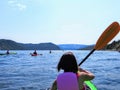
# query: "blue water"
[[24, 72]]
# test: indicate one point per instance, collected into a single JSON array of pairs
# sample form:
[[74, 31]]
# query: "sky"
[[57, 21]]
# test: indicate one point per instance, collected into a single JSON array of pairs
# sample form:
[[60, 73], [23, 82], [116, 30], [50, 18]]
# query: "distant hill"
[[9, 44], [89, 47], [72, 46], [41, 46], [115, 45], [12, 45]]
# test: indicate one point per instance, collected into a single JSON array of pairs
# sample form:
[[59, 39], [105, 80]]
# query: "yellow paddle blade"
[[107, 35]]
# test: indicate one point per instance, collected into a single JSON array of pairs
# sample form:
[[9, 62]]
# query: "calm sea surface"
[[24, 72]]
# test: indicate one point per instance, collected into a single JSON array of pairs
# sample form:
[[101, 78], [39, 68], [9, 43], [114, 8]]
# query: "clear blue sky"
[[57, 21]]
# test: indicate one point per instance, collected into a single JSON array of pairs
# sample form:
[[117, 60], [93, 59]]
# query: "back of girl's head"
[[68, 63]]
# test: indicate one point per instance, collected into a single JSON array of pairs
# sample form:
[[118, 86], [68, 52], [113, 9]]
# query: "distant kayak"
[[3, 54], [8, 54], [34, 54]]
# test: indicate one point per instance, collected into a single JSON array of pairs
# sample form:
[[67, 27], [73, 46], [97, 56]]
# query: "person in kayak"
[[50, 51], [77, 75], [35, 52], [7, 52]]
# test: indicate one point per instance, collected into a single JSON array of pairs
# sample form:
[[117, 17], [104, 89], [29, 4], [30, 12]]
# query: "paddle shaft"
[[86, 57]]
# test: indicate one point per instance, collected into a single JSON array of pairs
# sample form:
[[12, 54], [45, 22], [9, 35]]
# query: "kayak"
[[8, 54], [90, 85], [34, 54]]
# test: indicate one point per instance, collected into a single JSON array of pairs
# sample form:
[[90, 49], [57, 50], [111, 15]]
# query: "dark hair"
[[68, 63]]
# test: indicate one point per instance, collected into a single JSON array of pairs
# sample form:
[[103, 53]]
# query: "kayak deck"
[[90, 85]]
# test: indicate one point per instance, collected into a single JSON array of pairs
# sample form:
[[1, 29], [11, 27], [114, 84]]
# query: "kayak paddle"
[[110, 32]]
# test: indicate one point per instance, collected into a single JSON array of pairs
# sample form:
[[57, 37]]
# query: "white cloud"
[[17, 4], [21, 6], [11, 1]]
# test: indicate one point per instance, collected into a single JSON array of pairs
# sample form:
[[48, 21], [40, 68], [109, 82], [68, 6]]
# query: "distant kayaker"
[[7, 52], [73, 77], [35, 52], [50, 51]]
